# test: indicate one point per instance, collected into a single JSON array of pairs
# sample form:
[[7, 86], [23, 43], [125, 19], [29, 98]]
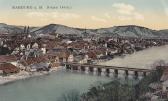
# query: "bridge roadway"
[[108, 70], [110, 67]]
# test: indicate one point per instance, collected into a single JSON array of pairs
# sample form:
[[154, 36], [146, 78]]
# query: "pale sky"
[[87, 13]]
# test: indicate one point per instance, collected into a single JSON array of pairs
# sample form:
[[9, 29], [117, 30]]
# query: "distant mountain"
[[128, 31], [55, 28], [163, 32], [10, 29]]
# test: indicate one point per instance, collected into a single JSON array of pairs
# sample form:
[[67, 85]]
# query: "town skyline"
[[86, 14], [83, 50], [78, 27]]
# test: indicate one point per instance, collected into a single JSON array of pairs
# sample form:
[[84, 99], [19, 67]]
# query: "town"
[[24, 54]]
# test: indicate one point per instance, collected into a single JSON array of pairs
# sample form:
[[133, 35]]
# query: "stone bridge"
[[108, 70]]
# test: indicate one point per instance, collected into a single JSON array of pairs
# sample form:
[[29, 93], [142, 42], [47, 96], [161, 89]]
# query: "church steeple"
[[27, 31], [24, 30]]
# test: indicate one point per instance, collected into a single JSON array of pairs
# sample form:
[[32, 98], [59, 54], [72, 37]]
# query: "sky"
[[86, 13]]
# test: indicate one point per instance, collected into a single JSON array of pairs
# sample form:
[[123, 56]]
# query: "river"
[[51, 87], [143, 59], [48, 87]]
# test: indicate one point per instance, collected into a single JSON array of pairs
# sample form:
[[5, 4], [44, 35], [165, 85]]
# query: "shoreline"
[[22, 75]]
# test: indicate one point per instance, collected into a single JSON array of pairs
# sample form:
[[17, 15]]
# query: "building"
[[8, 69]]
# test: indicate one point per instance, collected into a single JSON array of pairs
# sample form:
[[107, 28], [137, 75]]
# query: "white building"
[[71, 58]]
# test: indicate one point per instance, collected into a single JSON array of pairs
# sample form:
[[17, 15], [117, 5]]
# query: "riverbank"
[[24, 75], [49, 87]]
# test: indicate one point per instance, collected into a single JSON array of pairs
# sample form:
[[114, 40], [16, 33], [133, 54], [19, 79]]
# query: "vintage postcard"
[[83, 50]]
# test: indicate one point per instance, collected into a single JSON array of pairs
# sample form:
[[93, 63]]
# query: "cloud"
[[124, 8], [127, 12], [123, 18], [98, 19], [138, 16], [165, 5], [107, 15], [166, 10], [58, 15]]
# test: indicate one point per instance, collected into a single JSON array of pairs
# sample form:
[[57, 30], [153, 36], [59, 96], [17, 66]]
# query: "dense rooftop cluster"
[[26, 51]]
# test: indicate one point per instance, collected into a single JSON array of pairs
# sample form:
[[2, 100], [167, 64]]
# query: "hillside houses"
[[35, 63], [43, 53]]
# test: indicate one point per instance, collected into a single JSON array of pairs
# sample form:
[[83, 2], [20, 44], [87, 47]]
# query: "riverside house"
[[8, 69], [8, 65]]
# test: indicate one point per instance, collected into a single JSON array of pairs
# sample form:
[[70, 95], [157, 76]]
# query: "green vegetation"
[[72, 95], [4, 51], [143, 86], [113, 91], [116, 91]]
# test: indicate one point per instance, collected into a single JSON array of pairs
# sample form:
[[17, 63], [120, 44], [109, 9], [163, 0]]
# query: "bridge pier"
[[82, 68], [75, 68], [90, 69], [107, 72], [111, 72], [144, 73], [87, 70], [141, 75], [95, 71], [126, 73], [70, 67], [131, 74], [99, 71], [79, 69], [121, 73], [103, 71], [115, 72], [136, 74], [66, 66]]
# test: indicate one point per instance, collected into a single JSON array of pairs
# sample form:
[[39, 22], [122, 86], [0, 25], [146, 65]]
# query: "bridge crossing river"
[[108, 70]]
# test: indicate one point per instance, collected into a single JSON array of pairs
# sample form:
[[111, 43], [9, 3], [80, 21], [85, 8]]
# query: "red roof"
[[34, 60], [8, 68], [7, 58], [92, 55]]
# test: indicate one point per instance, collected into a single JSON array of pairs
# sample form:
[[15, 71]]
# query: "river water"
[[143, 59], [51, 87]]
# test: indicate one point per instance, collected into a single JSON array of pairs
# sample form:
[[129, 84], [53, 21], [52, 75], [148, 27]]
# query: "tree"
[[72, 95], [4, 50], [117, 91]]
